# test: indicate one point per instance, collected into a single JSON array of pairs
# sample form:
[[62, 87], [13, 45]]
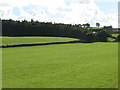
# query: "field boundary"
[[39, 44], [51, 43]]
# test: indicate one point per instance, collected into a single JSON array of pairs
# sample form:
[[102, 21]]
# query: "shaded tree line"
[[36, 28]]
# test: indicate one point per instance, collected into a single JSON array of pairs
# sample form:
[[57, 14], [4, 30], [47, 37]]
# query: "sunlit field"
[[75, 65], [31, 40]]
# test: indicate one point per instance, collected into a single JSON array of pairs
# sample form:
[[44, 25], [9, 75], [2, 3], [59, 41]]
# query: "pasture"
[[73, 65], [31, 40]]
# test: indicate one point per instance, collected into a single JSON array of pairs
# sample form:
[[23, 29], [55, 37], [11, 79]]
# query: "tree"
[[36, 28], [87, 25], [84, 25], [102, 35], [97, 24], [32, 20], [90, 37], [80, 25], [118, 38]]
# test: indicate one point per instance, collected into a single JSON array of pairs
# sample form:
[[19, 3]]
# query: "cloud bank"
[[59, 11]]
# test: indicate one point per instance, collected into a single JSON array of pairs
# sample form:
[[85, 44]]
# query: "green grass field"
[[114, 35], [77, 65], [30, 40], [95, 27]]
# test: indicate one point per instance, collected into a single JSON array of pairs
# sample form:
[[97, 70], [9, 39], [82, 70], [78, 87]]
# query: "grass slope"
[[95, 27], [93, 65], [115, 35], [30, 40]]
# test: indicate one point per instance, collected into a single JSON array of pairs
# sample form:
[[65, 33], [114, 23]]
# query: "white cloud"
[[61, 11], [106, 0]]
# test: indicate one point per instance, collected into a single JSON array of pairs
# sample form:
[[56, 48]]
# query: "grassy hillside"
[[114, 35], [92, 65], [95, 27], [30, 40]]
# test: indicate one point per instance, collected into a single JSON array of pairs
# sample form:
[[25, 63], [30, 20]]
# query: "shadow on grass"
[[40, 44]]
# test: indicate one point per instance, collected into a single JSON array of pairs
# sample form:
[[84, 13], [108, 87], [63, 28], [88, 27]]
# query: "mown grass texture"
[[78, 65], [31, 40]]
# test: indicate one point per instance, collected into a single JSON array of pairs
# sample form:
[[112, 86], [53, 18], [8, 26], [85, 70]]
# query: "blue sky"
[[108, 7], [62, 11]]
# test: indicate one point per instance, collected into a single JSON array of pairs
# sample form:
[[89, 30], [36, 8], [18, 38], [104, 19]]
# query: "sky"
[[104, 12]]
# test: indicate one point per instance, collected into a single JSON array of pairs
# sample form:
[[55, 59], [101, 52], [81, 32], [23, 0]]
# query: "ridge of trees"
[[36, 28]]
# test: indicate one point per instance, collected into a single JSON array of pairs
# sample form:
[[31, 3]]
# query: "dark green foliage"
[[36, 28], [90, 37], [102, 35], [87, 25], [118, 38], [97, 24]]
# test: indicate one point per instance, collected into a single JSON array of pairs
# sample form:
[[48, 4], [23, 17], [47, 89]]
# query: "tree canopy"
[[36, 28]]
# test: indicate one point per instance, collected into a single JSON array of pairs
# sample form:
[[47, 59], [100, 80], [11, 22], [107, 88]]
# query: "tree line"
[[35, 28]]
